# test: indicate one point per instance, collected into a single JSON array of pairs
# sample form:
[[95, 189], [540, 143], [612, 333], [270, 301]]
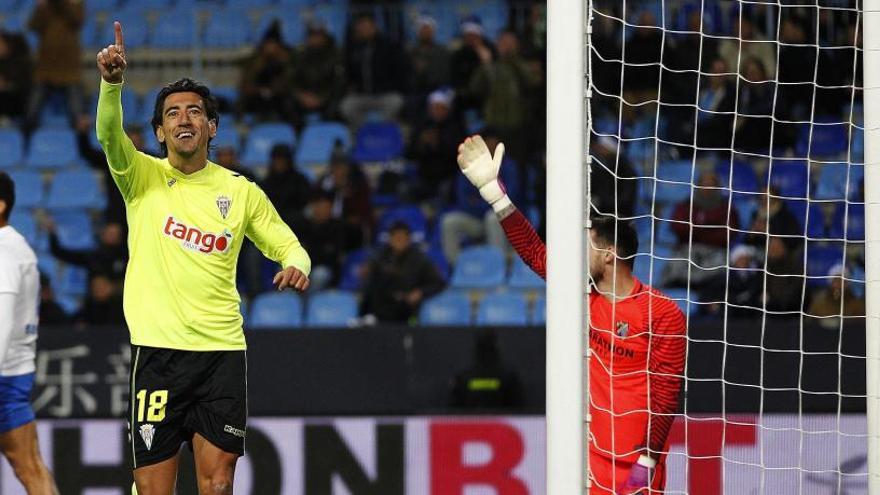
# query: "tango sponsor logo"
[[196, 240]]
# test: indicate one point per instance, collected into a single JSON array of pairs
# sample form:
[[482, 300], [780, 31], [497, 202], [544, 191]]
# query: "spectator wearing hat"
[[398, 279], [837, 299], [318, 73], [428, 60], [433, 148], [466, 59], [742, 286], [265, 79], [375, 68]]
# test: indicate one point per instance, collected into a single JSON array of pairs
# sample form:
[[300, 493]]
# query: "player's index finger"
[[117, 28]]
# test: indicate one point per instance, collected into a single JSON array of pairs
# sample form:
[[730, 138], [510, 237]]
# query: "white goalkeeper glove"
[[481, 168]]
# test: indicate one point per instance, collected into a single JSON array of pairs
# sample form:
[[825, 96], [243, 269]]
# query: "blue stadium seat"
[[855, 222], [9, 7], [12, 144], [74, 229], [227, 137], [93, 6], [790, 177], [446, 309], [175, 29], [52, 148], [154, 4], [820, 259], [503, 309], [70, 304], [829, 140], [436, 255], [378, 142], [353, 269], [29, 190], [831, 181], [816, 221], [25, 224], [744, 177], [135, 29], [479, 267], [228, 28], [261, 139], [331, 309], [644, 269], [75, 189], [410, 214], [798, 209], [539, 311], [74, 281], [522, 277], [276, 310], [856, 178], [674, 181], [857, 145], [318, 140], [50, 267], [88, 34]]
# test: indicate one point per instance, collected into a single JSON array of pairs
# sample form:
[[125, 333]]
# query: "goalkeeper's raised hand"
[[111, 60], [481, 168]]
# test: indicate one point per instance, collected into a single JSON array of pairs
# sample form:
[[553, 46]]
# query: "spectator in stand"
[[318, 74], [470, 217], [751, 43], [755, 110], [398, 279], [326, 239], [109, 259], [351, 196], [835, 300], [785, 277], [611, 177], [103, 305], [701, 227], [641, 77], [716, 106], [375, 67], [504, 85], [428, 61], [227, 157], [780, 221], [433, 148], [742, 284], [51, 313], [797, 65], [266, 77], [115, 211], [59, 59], [15, 74], [466, 60], [287, 188]]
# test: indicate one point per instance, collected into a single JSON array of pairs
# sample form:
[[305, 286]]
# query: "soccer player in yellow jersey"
[[187, 218]]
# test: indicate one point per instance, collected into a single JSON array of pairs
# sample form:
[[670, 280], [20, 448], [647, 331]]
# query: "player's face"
[[596, 255], [185, 125]]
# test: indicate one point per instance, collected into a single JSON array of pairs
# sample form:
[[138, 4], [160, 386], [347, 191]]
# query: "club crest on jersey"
[[172, 181], [194, 239], [622, 328], [147, 433], [224, 204]]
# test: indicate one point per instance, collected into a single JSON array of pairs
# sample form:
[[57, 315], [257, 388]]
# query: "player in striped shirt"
[[637, 340]]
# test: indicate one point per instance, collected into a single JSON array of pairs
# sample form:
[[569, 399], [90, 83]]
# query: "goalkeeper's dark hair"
[[185, 85], [618, 233], [7, 194]]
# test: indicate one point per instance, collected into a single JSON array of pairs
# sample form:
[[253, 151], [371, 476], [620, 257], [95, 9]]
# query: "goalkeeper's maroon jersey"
[[638, 348]]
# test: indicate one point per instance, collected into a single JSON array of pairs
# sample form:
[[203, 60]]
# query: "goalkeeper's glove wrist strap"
[[647, 461], [501, 204]]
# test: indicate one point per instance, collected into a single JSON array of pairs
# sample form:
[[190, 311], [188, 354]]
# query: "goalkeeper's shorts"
[[606, 475], [176, 394]]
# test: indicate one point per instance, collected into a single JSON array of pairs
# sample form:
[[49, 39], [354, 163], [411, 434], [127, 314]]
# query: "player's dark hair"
[[7, 194], [185, 85], [618, 233]]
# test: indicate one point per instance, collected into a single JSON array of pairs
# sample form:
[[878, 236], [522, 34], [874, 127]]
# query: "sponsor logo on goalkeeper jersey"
[[194, 239]]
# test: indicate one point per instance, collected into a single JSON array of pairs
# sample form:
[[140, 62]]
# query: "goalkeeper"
[[637, 340], [187, 218]]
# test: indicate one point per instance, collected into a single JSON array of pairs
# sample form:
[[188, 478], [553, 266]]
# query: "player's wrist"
[[493, 191], [647, 461]]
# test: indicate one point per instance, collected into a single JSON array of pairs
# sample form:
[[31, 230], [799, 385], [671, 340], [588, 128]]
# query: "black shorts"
[[175, 394]]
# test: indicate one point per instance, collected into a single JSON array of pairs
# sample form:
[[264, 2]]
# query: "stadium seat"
[[8, 7], [378, 142], [74, 229], [136, 30], [93, 6], [798, 209], [74, 280], [446, 309], [820, 259], [479, 267], [353, 269], [828, 140], [331, 309], [744, 177], [674, 180], [539, 311], [228, 28], [29, 190], [816, 221], [154, 4], [276, 310], [857, 145], [790, 177], [831, 181], [75, 189], [436, 255], [646, 265], [411, 215], [522, 277], [318, 140], [52, 148], [22, 221], [262, 138], [227, 137], [88, 34], [175, 29], [503, 309], [855, 222], [12, 144]]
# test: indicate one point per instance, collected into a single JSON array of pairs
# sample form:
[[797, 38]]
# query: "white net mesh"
[[729, 133]]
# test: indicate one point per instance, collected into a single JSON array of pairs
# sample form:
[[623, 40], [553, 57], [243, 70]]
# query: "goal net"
[[730, 135]]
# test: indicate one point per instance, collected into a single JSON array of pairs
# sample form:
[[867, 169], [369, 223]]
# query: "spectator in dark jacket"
[[785, 277], [286, 187], [611, 178], [15, 74], [374, 66], [265, 79], [428, 60], [109, 259], [103, 305], [227, 157], [351, 194], [318, 74], [434, 147], [326, 239], [399, 278], [742, 285], [466, 60], [51, 313]]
